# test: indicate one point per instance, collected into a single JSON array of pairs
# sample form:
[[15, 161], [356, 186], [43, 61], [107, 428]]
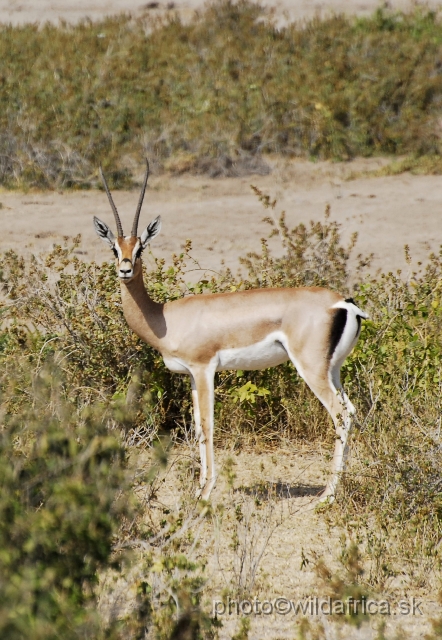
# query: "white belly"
[[176, 365], [267, 353], [260, 355]]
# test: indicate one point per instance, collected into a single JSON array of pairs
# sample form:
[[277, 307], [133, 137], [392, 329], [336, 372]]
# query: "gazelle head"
[[127, 249]]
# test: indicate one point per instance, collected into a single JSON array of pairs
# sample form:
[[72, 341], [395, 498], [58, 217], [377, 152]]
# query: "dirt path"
[[21, 11], [224, 219]]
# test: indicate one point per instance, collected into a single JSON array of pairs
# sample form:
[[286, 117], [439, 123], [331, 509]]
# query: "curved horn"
[[114, 208], [140, 202]]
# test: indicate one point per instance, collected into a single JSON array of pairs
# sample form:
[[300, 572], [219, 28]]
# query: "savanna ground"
[[225, 220], [23, 11], [91, 484]]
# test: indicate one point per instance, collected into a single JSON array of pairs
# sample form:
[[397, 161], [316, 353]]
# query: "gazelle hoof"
[[204, 493], [327, 497]]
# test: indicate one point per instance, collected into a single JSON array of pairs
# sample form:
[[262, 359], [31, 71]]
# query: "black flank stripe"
[[350, 300], [337, 329]]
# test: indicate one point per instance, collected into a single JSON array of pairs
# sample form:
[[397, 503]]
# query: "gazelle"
[[198, 335]]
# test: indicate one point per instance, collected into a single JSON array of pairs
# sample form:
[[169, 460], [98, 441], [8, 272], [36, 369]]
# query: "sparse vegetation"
[[60, 309], [395, 485], [213, 95]]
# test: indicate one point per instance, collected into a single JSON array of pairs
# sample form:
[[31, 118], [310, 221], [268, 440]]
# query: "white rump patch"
[[350, 306], [347, 340]]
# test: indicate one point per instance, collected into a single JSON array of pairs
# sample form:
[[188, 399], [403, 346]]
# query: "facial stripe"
[[126, 253], [118, 250], [135, 250]]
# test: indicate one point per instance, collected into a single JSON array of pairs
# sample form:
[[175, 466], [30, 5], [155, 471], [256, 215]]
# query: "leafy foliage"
[[61, 475], [70, 517], [215, 93]]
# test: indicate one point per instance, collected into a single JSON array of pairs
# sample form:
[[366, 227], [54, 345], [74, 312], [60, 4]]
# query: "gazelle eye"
[[115, 252], [138, 253]]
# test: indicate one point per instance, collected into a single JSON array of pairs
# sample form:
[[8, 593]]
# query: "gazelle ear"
[[103, 232], [152, 230]]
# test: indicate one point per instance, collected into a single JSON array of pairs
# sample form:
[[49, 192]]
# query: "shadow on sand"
[[281, 490]]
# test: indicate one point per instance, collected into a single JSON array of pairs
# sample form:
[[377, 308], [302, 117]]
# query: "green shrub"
[[70, 517], [212, 95], [62, 474]]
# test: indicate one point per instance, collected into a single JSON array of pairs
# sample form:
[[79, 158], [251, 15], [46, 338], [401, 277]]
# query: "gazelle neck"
[[143, 315]]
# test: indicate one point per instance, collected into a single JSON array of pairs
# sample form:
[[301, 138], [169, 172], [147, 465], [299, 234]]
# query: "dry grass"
[[213, 95]]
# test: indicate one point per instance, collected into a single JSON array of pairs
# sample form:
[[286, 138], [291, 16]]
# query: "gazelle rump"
[[198, 335]]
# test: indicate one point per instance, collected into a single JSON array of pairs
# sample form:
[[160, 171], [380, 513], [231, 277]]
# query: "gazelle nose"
[[125, 267]]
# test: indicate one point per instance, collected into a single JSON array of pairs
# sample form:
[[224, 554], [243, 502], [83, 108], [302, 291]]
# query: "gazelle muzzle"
[[125, 269]]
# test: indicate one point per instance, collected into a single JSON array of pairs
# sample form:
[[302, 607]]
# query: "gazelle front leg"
[[199, 436], [203, 407]]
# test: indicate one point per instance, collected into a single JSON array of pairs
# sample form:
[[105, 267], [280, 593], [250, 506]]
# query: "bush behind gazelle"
[[59, 304], [59, 307], [211, 94], [393, 492]]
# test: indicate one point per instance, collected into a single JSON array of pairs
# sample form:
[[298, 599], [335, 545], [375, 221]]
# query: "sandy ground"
[[224, 218], [21, 11], [276, 494], [301, 536]]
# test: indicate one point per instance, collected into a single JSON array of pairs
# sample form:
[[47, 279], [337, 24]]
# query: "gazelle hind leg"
[[340, 408], [343, 425], [203, 392]]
